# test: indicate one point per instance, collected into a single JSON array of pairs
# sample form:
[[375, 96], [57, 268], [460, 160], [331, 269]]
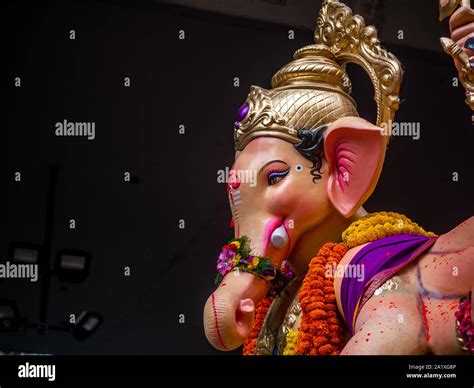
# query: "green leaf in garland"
[[244, 246], [218, 279], [263, 263]]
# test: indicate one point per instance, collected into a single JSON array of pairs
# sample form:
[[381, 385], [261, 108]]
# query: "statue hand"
[[461, 26]]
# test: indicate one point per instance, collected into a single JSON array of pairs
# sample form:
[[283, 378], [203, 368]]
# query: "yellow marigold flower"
[[236, 243], [236, 259], [291, 338], [255, 261]]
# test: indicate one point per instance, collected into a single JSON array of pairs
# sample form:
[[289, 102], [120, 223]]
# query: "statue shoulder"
[[458, 239]]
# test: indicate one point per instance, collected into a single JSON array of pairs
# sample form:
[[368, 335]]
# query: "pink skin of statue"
[[312, 213]]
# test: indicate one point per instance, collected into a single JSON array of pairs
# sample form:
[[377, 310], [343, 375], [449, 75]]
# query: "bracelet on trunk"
[[235, 256]]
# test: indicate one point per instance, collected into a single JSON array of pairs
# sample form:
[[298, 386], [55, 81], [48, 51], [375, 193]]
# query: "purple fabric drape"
[[381, 259]]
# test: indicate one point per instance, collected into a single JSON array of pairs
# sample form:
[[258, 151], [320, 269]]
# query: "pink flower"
[[224, 262]]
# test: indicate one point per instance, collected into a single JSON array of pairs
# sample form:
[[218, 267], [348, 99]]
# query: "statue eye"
[[276, 176]]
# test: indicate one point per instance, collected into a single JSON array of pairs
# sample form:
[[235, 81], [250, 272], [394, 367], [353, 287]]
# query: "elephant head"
[[313, 161]]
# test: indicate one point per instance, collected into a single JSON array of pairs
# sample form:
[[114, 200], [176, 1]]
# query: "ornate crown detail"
[[314, 88], [258, 112], [350, 40]]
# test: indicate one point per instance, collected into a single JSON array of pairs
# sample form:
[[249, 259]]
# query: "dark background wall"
[[174, 82]]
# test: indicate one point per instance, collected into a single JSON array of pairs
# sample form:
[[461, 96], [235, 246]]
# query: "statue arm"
[[460, 46]]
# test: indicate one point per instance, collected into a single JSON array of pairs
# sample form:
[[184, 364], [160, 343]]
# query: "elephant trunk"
[[230, 310]]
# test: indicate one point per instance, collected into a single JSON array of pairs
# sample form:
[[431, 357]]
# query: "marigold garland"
[[321, 331]]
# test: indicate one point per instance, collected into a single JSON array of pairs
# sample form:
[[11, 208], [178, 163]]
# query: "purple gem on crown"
[[241, 114]]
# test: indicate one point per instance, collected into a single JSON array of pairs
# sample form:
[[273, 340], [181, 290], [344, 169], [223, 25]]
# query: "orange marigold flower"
[[303, 347], [316, 305], [328, 290], [335, 341], [317, 284], [318, 293], [319, 341], [330, 298], [319, 270], [319, 260], [326, 350], [317, 298], [320, 325], [317, 314], [340, 249], [322, 332], [335, 328]]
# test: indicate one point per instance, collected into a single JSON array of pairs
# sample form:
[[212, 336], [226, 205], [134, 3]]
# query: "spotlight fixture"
[[24, 253], [9, 316], [72, 265], [86, 324]]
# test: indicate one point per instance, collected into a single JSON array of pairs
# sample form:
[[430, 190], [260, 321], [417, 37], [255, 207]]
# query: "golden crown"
[[314, 89]]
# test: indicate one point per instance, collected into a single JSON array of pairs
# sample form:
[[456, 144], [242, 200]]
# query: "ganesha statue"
[[309, 271]]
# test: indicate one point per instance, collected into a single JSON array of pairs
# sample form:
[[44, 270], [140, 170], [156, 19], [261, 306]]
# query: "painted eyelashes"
[[276, 176]]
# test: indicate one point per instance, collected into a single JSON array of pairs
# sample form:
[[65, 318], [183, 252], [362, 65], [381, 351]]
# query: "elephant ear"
[[355, 152]]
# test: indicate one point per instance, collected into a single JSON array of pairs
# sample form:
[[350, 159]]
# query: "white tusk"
[[279, 237]]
